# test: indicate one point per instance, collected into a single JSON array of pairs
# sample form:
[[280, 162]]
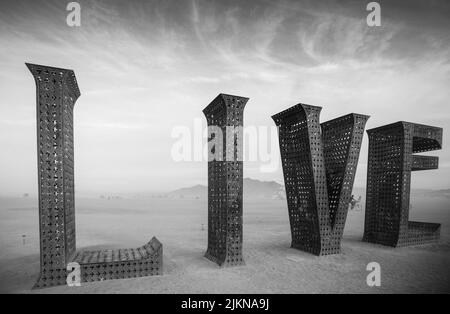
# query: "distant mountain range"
[[431, 193], [196, 191], [253, 189], [256, 189]]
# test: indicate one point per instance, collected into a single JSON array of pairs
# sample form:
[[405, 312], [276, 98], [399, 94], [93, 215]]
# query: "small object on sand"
[[23, 238], [294, 258], [355, 203]]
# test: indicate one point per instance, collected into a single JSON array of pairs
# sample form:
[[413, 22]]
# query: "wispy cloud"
[[146, 66]]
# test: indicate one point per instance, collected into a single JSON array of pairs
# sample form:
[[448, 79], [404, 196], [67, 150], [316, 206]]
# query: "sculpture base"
[[102, 265], [418, 233], [227, 261], [318, 251]]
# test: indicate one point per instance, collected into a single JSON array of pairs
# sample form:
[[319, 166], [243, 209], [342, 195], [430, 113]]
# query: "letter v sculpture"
[[319, 164], [56, 94]]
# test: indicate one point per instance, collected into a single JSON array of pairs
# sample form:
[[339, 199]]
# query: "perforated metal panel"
[[391, 160], [225, 180], [319, 164], [56, 94]]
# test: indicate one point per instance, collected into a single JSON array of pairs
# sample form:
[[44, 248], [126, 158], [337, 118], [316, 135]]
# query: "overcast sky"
[[145, 67]]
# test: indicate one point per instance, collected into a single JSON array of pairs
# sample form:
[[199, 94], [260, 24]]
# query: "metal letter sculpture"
[[57, 92], [225, 179], [319, 164], [391, 160]]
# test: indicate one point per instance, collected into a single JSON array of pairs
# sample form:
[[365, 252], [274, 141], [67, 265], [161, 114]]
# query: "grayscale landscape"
[[133, 154]]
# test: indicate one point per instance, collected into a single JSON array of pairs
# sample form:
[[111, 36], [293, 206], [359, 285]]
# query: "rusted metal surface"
[[319, 164], [225, 179], [392, 150]]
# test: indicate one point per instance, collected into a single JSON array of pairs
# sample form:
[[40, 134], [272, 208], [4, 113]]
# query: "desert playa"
[[180, 222]]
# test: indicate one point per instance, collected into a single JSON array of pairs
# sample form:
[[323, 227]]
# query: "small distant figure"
[[24, 236], [203, 227], [355, 203]]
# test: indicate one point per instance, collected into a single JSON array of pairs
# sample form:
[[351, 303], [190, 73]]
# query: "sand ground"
[[271, 265]]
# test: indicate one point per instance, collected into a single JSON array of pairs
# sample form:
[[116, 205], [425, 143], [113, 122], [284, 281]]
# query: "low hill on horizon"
[[253, 189]]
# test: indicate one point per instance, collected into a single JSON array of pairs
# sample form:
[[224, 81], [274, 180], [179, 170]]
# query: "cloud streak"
[[144, 67]]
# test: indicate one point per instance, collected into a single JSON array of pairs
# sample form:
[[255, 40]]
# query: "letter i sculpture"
[[225, 116]]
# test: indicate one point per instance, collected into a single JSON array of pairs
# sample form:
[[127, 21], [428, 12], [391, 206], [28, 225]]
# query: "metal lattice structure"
[[56, 94], [392, 150], [225, 179], [319, 164]]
